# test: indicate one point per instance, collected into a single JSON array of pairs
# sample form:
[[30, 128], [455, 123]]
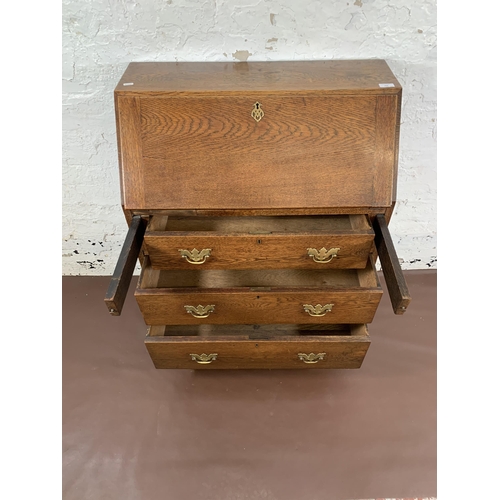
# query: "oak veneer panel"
[[343, 351], [236, 306], [354, 76], [127, 213], [385, 146], [218, 126], [210, 153], [327, 144], [253, 297], [259, 251], [130, 152], [242, 242], [395, 167]]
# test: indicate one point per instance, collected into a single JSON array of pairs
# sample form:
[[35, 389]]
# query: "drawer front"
[[185, 307], [317, 242], [288, 353], [209, 251], [215, 153], [258, 296]]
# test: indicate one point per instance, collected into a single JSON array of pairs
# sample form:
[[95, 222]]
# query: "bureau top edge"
[[371, 76]]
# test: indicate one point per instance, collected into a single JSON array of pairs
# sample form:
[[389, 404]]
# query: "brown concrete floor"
[[131, 432]]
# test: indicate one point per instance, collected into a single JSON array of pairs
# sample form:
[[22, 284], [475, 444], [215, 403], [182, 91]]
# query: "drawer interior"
[[264, 225], [255, 279], [250, 332]]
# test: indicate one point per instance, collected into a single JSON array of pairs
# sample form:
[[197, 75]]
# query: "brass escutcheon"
[[317, 310], [204, 359], [194, 256], [323, 256], [311, 358], [200, 311], [257, 113]]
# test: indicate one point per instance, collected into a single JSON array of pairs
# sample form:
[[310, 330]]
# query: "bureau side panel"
[[385, 147], [398, 98], [313, 151], [128, 120]]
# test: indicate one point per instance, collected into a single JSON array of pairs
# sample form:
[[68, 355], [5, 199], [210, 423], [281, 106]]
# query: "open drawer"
[[258, 296], [257, 346], [307, 242], [360, 289]]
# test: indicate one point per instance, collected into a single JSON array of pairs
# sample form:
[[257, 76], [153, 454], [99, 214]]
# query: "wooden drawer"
[[258, 296], [257, 346], [329, 242]]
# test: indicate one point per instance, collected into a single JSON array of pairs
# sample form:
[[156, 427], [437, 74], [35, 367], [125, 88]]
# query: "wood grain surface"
[[385, 146], [244, 242], [128, 116], [236, 351], [250, 278], [260, 212], [344, 76], [209, 153], [259, 251], [328, 138], [258, 296], [244, 306], [190, 151], [286, 224]]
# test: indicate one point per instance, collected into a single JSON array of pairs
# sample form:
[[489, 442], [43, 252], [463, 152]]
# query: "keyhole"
[[259, 242]]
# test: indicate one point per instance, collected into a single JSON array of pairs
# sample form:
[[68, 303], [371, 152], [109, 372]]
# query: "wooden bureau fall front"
[[257, 197]]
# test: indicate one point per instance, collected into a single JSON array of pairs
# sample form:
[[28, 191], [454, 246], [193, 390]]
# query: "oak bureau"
[[257, 197]]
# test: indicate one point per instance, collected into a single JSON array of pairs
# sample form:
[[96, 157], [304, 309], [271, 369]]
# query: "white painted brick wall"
[[101, 37]]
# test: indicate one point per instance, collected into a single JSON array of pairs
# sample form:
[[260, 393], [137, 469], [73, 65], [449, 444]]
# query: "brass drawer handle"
[[204, 359], [311, 358], [194, 256], [200, 311], [323, 256], [318, 309]]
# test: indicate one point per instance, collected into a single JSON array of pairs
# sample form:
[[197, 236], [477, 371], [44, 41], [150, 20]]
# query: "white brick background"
[[101, 37]]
